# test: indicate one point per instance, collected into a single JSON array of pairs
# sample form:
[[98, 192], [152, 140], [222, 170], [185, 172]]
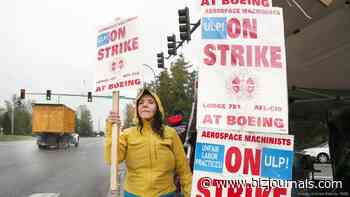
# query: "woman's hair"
[[157, 121]]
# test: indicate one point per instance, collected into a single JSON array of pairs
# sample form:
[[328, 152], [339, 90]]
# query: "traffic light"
[[184, 24], [23, 94], [172, 44], [160, 60], [89, 97], [48, 95]]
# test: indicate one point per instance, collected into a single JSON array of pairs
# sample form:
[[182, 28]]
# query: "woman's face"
[[147, 107]]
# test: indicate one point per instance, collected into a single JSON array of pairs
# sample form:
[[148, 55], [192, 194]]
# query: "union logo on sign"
[[242, 86], [250, 85], [117, 65]]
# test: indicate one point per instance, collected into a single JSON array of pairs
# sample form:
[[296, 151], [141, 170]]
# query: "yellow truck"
[[54, 125]]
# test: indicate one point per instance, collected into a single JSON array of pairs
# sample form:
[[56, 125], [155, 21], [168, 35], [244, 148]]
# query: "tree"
[[180, 86], [129, 114], [84, 124], [77, 123], [2, 112], [22, 116]]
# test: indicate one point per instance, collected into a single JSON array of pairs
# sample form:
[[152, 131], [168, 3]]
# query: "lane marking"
[[45, 195]]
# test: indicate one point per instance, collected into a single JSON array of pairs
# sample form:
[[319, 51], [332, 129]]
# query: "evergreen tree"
[[85, 123], [22, 117], [175, 87], [129, 115]]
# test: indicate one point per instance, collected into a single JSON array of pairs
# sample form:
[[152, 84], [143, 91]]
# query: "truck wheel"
[[40, 146]]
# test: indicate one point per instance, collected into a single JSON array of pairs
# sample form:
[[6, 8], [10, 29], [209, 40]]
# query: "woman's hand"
[[114, 118]]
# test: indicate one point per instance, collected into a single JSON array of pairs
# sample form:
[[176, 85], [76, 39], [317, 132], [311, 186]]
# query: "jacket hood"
[[146, 91]]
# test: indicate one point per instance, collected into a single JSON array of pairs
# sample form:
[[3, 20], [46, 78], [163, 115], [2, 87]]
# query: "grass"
[[15, 137]]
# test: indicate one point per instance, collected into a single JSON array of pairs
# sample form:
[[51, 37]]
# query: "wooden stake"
[[114, 152]]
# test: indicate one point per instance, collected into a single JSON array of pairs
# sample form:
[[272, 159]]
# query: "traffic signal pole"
[[148, 66], [13, 119], [80, 95]]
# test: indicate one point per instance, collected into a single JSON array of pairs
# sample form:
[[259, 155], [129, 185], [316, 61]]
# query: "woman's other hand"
[[114, 118]]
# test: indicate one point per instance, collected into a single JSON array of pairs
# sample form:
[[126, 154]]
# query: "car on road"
[[320, 152], [75, 139]]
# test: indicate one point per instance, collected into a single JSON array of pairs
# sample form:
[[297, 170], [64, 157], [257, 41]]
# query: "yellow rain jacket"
[[150, 160]]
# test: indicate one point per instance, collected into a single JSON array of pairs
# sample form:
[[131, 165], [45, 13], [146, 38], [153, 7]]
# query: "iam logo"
[[250, 85], [236, 83], [242, 86], [117, 65]]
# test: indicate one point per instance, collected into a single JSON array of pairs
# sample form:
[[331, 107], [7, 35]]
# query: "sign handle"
[[115, 185]]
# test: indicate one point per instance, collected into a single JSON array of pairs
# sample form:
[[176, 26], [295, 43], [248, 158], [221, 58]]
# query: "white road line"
[[45, 195]]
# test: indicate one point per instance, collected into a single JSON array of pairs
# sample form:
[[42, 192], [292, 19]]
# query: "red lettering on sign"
[[247, 28], [264, 3], [119, 48], [265, 122], [249, 160], [117, 34], [235, 190], [206, 2], [233, 166], [277, 192], [243, 55], [121, 84], [208, 50]]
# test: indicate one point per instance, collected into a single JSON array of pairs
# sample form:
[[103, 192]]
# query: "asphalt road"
[[25, 170]]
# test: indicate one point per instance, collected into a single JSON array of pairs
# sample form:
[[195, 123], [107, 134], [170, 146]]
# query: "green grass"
[[15, 137]]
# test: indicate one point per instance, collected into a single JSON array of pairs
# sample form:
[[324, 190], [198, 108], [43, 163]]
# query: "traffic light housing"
[[172, 44], [184, 24], [48, 95], [23, 94], [160, 60], [89, 97]]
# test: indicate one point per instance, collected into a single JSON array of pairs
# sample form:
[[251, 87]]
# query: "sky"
[[51, 44]]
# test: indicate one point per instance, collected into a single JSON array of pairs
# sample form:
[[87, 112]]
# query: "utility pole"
[[99, 119], [13, 119]]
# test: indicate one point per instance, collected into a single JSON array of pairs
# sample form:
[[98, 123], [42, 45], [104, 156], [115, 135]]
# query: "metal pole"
[[154, 73], [80, 95], [13, 119], [99, 119]]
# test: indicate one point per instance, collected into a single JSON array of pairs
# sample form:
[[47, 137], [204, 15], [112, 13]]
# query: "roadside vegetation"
[[15, 137]]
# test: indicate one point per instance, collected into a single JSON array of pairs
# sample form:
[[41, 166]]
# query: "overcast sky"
[[51, 44]]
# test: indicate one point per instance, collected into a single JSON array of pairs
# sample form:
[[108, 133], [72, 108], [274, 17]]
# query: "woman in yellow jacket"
[[153, 152]]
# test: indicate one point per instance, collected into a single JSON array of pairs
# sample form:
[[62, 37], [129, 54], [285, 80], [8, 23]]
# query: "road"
[[25, 170]]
